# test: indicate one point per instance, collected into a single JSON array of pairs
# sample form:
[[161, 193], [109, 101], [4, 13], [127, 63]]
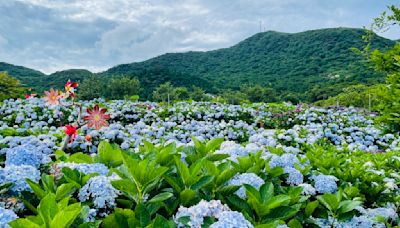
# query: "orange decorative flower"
[[52, 98], [88, 138], [70, 88], [71, 132], [97, 117]]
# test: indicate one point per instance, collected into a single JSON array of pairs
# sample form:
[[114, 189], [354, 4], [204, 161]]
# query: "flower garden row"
[[65, 163]]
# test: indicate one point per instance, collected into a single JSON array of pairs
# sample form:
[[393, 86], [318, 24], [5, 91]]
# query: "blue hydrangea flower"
[[6, 216], [231, 219], [17, 175], [86, 168], [325, 183], [245, 178], [26, 155], [99, 189], [197, 213], [295, 177]]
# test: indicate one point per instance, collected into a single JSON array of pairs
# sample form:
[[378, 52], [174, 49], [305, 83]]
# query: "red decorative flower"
[[97, 117], [30, 95], [70, 88], [71, 132]]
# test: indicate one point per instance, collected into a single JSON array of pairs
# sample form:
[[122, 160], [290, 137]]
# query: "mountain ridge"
[[291, 63]]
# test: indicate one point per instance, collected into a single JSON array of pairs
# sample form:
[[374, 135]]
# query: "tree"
[[121, 87], [182, 93], [388, 62], [234, 97], [90, 88], [198, 94], [9, 87], [258, 93], [163, 91]]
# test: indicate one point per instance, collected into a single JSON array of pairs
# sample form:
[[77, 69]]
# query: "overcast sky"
[[51, 35]]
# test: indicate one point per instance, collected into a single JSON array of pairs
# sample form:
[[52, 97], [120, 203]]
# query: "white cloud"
[[51, 35]]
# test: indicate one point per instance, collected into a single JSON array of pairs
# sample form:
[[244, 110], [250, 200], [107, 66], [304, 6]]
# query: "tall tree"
[[9, 87], [388, 62]]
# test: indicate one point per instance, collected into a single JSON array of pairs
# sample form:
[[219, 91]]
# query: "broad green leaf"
[[329, 201], [161, 222], [160, 197], [65, 190], [266, 192], [348, 205], [37, 189], [48, 208], [109, 154], [66, 217], [217, 157], [214, 144], [311, 206], [252, 193], [277, 201], [48, 183], [80, 158], [294, 223], [142, 215], [187, 195], [202, 182], [127, 187], [118, 219], [23, 223], [183, 170], [282, 213]]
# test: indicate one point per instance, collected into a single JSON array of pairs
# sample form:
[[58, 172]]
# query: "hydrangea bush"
[[70, 163]]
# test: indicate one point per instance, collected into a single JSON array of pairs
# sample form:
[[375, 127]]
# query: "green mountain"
[[310, 65]]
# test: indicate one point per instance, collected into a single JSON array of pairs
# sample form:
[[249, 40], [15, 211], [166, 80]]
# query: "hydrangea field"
[[119, 163]]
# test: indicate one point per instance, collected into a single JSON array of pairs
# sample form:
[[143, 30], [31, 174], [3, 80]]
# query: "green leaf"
[[228, 190], [80, 158], [225, 176], [214, 144], [239, 203], [48, 183], [161, 222], [294, 223], [23, 223], [37, 189], [5, 187], [348, 205], [266, 192], [160, 197], [118, 219], [142, 215], [217, 157], [282, 213], [65, 190], [202, 182], [66, 217], [109, 154], [183, 170], [127, 187], [48, 208], [310, 208], [72, 176], [277, 201], [200, 147], [252, 193], [329, 201], [187, 195]]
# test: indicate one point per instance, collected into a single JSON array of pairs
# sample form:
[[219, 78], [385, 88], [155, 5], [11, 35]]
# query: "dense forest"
[[306, 66]]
